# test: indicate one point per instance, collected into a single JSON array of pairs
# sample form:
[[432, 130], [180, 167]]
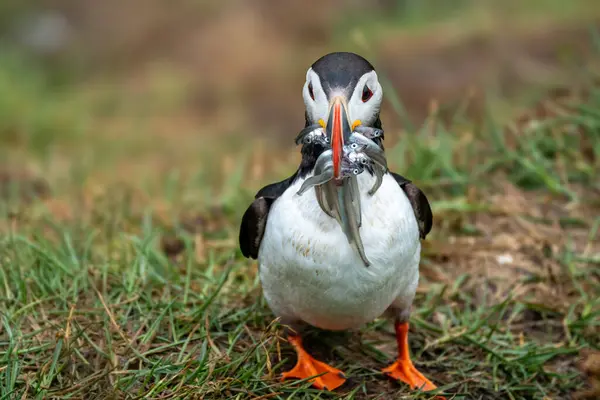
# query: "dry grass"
[[120, 274], [114, 292]]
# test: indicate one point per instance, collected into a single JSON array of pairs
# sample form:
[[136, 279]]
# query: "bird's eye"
[[364, 160], [366, 94], [355, 171], [354, 146], [310, 91]]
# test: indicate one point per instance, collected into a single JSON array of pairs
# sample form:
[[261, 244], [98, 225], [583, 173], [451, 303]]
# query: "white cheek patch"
[[317, 108], [366, 112]]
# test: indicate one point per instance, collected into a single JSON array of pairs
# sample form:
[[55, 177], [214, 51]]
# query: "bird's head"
[[341, 92]]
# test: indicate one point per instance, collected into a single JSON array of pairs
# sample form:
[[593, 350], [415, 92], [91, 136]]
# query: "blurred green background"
[[137, 84]]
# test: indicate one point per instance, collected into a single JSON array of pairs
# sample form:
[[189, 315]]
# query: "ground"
[[120, 273]]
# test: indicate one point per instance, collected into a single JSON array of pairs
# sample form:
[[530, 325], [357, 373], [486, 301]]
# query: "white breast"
[[310, 273]]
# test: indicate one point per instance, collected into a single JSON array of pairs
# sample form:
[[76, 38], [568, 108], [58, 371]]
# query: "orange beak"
[[338, 130]]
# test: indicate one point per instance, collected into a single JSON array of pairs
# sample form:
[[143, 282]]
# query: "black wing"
[[276, 189], [254, 220], [419, 203]]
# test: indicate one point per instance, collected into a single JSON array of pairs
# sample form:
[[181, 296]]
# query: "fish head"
[[351, 167]]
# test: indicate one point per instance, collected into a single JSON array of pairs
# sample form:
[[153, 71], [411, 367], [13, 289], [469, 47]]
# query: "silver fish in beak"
[[363, 144], [369, 132], [323, 172], [360, 143], [335, 173], [312, 133], [352, 166], [346, 200], [350, 217]]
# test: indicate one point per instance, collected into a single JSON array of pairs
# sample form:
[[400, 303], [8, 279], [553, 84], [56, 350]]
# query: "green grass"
[[460, 17], [94, 304], [91, 306]]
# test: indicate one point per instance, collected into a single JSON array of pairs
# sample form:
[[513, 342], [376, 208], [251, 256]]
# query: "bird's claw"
[[406, 372], [322, 375]]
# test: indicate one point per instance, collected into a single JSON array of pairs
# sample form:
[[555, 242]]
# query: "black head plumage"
[[341, 70], [337, 71]]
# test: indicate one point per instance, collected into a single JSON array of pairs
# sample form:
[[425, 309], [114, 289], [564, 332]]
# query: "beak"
[[338, 131]]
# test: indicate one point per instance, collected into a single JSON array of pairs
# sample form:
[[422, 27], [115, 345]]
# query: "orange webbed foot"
[[403, 369], [330, 378]]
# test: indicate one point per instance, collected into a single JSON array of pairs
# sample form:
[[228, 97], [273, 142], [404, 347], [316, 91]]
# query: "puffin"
[[309, 273]]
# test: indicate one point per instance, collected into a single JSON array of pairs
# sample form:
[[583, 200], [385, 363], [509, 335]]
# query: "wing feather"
[[419, 203]]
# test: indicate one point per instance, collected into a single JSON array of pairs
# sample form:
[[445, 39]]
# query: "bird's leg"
[[307, 367], [403, 369]]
